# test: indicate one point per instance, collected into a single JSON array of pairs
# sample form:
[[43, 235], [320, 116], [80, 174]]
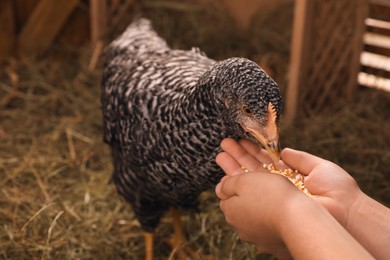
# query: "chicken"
[[165, 113]]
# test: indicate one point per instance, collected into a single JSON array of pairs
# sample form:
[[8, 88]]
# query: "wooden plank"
[[361, 16], [378, 23], [97, 50], [375, 65], [377, 40], [299, 46], [98, 20], [7, 28], [22, 10], [373, 81], [43, 25]]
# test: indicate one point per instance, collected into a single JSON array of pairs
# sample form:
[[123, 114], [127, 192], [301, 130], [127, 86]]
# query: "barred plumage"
[[165, 113]]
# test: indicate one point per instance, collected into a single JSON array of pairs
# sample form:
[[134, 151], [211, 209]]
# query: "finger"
[[301, 161], [261, 155], [242, 157], [227, 187], [218, 189], [228, 164], [256, 151]]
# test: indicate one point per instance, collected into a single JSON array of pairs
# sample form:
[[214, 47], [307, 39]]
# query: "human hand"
[[331, 186], [254, 202], [248, 195]]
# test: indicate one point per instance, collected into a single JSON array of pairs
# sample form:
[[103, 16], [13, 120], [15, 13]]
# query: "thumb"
[[301, 161], [227, 187]]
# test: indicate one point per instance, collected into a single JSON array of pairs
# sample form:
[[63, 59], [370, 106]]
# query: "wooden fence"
[[326, 47], [325, 55]]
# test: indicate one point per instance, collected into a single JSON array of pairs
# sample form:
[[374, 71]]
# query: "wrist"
[[293, 213], [357, 210], [301, 223], [368, 223], [307, 221]]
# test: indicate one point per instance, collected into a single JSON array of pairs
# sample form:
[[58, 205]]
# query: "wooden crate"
[[375, 58], [326, 47]]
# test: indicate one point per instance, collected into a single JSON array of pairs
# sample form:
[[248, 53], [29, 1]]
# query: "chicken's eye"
[[245, 109]]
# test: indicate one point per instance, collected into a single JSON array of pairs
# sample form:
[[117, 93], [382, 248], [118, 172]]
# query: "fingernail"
[[218, 188]]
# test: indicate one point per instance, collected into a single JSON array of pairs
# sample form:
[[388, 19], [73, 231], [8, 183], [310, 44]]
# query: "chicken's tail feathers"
[[138, 38]]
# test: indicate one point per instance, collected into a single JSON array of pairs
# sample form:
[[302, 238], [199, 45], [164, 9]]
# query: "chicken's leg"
[[149, 245], [177, 240], [179, 251], [179, 237]]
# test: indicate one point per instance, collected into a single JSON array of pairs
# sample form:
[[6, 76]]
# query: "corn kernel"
[[293, 175]]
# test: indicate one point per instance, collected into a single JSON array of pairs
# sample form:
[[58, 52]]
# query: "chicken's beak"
[[268, 135], [269, 138]]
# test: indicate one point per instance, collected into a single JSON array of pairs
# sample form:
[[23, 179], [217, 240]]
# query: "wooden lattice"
[[326, 48]]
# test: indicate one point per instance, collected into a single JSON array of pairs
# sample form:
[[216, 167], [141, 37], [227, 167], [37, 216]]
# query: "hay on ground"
[[56, 198]]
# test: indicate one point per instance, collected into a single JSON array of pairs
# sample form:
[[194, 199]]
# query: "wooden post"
[[7, 28], [98, 20], [362, 14], [98, 23], [44, 24], [299, 46]]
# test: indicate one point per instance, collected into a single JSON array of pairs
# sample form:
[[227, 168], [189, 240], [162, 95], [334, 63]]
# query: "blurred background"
[[331, 60]]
